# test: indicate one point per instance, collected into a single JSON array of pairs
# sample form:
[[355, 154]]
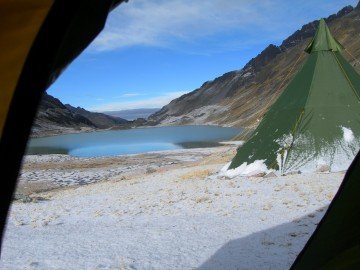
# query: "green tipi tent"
[[314, 123]]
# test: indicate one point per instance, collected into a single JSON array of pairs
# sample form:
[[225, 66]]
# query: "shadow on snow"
[[274, 248]]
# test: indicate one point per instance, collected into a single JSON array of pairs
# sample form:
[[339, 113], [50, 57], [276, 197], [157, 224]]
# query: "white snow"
[[185, 217], [116, 166], [254, 168], [238, 143], [247, 74], [281, 159], [285, 141], [320, 162], [337, 156], [348, 134]]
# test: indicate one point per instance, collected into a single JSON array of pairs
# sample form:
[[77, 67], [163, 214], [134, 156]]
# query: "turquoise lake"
[[131, 141]]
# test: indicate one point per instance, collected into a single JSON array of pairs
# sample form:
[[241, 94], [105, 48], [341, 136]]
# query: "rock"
[[293, 173], [38, 199], [323, 168], [270, 174], [267, 206], [27, 199], [150, 170], [262, 174], [22, 197], [53, 117], [139, 122]]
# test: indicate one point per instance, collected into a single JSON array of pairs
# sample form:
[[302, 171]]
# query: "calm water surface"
[[131, 141]]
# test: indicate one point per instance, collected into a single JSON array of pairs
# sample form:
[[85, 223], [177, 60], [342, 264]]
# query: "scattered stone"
[[34, 264], [38, 199], [150, 170], [202, 199], [267, 206], [323, 168], [293, 173], [27, 199], [262, 174], [270, 174], [286, 244], [268, 243], [22, 197]]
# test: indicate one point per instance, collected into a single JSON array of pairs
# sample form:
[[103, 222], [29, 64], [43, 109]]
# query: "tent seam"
[[346, 76]]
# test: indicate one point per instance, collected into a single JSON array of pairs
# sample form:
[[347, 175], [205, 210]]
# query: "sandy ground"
[[168, 210]]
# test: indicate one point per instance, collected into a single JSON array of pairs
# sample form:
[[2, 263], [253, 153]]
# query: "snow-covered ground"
[[163, 215]]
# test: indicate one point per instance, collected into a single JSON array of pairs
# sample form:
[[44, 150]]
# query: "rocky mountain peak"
[[256, 63], [308, 30], [240, 98], [54, 117]]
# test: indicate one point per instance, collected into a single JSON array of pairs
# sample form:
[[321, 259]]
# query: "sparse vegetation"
[[201, 174]]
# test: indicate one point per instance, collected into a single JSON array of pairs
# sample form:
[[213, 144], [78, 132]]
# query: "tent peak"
[[323, 40]]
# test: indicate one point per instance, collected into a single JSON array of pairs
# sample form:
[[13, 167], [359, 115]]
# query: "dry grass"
[[196, 175]]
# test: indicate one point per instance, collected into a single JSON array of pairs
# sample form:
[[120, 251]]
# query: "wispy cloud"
[[130, 95], [153, 102], [158, 23], [162, 23]]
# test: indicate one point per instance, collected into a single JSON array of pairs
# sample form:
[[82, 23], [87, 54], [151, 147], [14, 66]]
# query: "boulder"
[[323, 168]]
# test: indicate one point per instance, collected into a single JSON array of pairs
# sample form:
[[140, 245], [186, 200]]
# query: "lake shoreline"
[[132, 141], [58, 171], [67, 131]]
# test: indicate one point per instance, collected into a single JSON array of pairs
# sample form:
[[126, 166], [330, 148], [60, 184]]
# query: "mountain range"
[[54, 117], [238, 98], [133, 114]]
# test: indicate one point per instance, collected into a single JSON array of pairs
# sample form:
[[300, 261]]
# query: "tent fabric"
[[52, 33], [315, 121], [20, 23], [323, 40]]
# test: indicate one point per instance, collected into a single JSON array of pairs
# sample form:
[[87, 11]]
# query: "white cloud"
[[154, 102], [162, 23], [157, 23], [131, 95]]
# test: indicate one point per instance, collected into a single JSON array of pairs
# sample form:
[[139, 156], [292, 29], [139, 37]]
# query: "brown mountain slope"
[[53, 117], [240, 98], [100, 120]]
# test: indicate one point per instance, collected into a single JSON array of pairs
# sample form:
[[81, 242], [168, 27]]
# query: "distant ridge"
[[133, 113], [100, 120], [54, 117]]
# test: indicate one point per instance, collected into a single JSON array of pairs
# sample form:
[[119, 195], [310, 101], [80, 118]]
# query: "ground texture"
[[168, 210]]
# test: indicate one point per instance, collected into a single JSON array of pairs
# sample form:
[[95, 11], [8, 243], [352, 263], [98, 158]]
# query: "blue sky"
[[152, 51]]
